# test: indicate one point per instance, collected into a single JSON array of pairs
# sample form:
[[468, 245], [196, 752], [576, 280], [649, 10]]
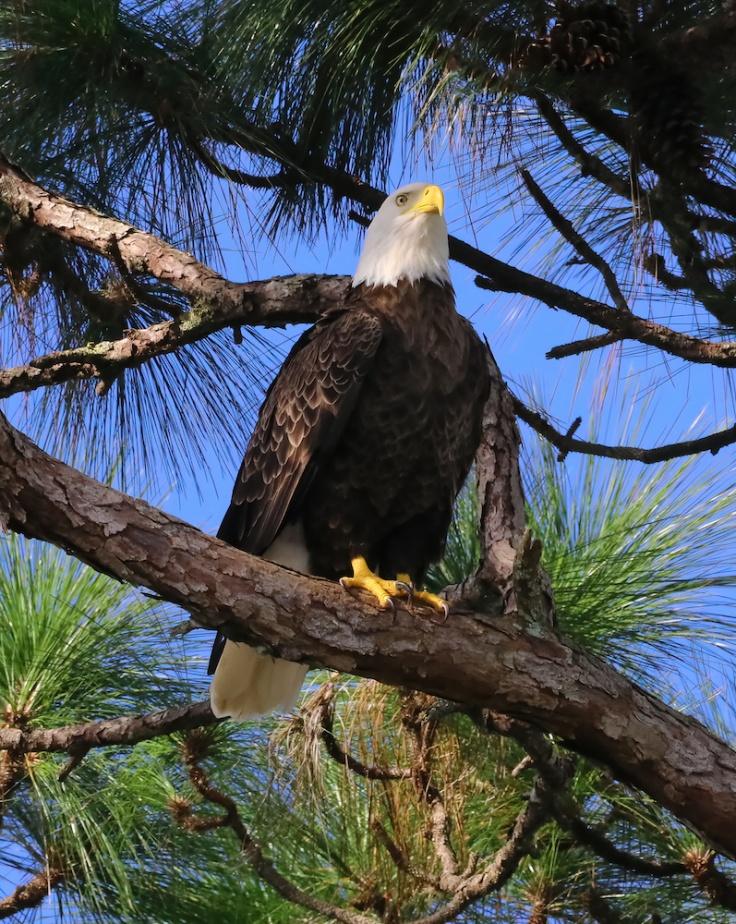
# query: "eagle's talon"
[[385, 592], [433, 601]]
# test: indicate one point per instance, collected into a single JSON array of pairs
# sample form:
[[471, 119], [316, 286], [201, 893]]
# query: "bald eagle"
[[363, 440]]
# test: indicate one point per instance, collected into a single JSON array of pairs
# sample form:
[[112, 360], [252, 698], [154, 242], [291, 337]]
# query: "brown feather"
[[367, 434]]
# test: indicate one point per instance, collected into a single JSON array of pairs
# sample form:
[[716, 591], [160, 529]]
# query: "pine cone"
[[588, 36]]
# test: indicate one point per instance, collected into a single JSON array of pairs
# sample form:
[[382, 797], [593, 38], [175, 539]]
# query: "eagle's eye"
[[402, 199]]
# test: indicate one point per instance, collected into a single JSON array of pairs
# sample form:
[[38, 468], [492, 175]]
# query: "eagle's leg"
[[424, 596], [384, 591]]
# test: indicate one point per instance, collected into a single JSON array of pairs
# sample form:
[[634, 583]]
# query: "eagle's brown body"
[[367, 434], [363, 441]]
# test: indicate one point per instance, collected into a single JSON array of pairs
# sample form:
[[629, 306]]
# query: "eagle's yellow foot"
[[384, 591], [425, 597]]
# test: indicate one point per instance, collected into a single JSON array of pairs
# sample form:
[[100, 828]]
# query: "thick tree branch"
[[208, 291], [476, 659], [125, 730], [271, 303]]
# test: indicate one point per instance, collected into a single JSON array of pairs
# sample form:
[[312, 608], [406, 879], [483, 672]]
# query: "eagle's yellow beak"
[[432, 201]]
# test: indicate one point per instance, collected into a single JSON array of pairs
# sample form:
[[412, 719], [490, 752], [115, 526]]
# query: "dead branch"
[[249, 846], [324, 706], [576, 347]]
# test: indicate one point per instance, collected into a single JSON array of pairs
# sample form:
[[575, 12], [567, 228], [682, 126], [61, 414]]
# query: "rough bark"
[[268, 303], [124, 730], [31, 893], [505, 663]]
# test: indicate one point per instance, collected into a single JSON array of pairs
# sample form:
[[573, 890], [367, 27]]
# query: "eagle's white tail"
[[249, 684]]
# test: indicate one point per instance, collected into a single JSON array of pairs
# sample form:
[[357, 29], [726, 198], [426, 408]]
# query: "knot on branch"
[[532, 586]]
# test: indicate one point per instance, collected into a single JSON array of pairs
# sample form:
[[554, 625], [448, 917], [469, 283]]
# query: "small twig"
[[483, 282], [325, 721], [655, 265], [524, 764], [217, 168], [576, 347], [77, 755], [194, 750], [571, 430], [184, 627], [566, 228]]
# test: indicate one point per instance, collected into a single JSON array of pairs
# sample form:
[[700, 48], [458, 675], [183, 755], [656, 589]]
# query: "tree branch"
[[324, 707], [145, 253], [31, 893], [271, 303], [124, 730], [712, 443], [502, 866], [251, 849], [208, 291], [557, 772], [576, 347], [590, 164], [576, 239], [477, 659]]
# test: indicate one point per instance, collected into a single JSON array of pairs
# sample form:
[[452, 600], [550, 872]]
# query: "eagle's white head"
[[407, 239]]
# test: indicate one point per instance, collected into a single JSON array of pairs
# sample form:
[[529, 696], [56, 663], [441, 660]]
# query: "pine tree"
[[611, 126]]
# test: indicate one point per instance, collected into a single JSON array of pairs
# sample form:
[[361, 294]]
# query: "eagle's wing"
[[299, 425]]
